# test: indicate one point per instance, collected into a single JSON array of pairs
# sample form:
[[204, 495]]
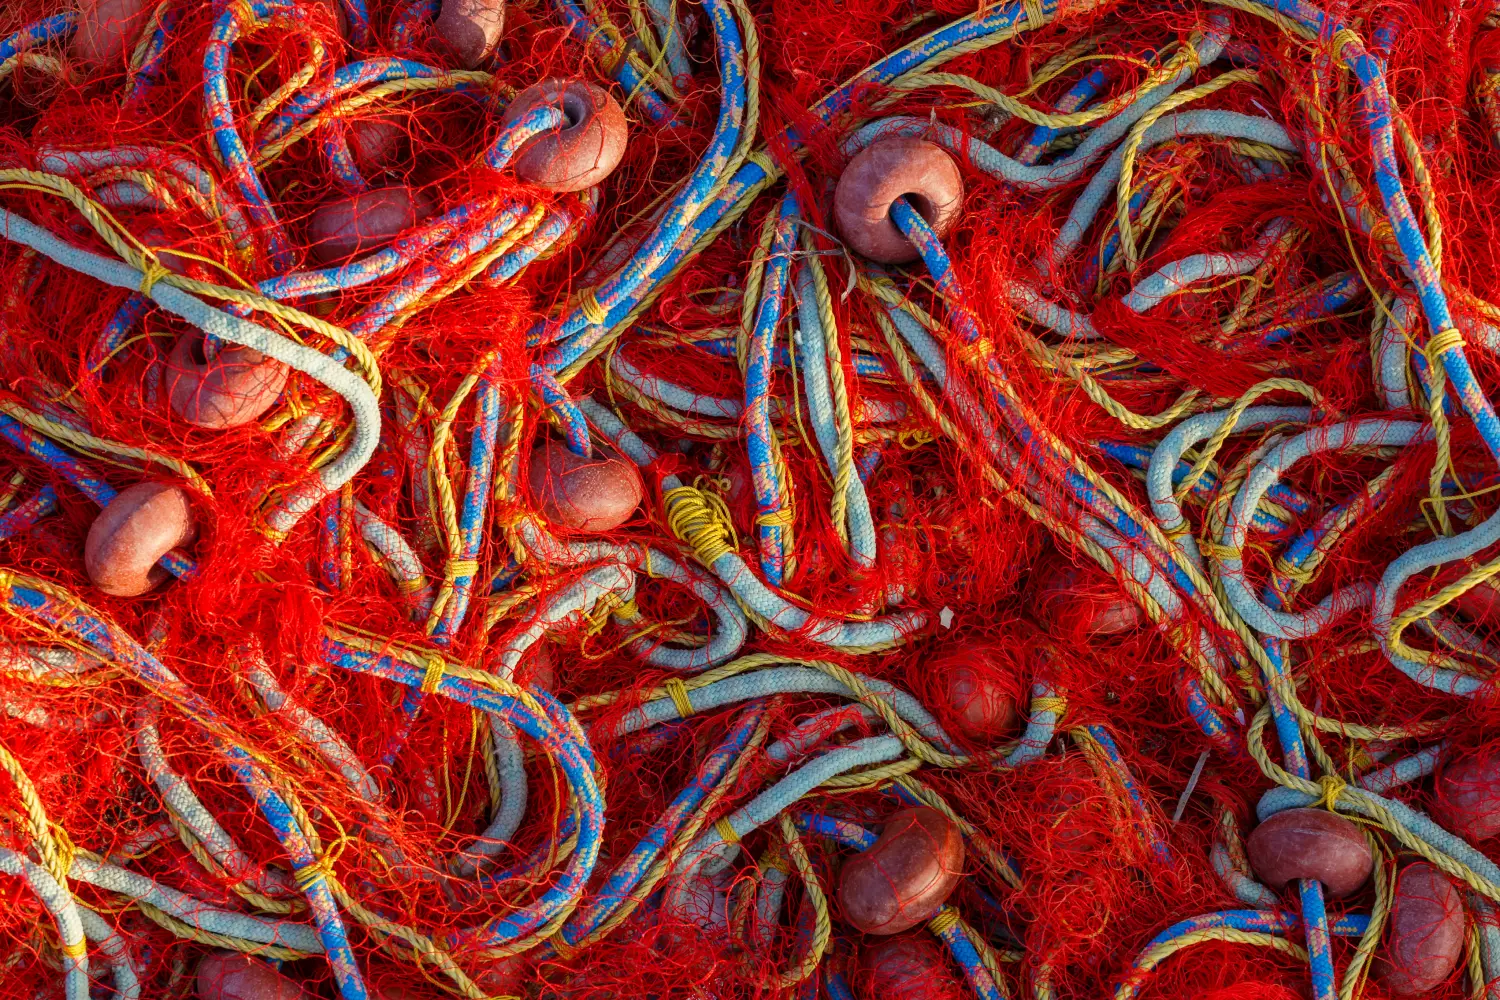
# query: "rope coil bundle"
[[736, 499]]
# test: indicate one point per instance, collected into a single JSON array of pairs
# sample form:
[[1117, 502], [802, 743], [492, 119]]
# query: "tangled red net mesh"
[[957, 534]]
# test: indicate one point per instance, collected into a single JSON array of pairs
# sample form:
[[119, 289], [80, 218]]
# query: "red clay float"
[[140, 525], [888, 169], [583, 153]]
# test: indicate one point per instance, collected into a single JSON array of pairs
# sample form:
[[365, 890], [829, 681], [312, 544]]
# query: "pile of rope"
[[747, 498]]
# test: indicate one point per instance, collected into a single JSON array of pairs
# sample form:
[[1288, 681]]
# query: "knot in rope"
[[678, 692], [437, 668], [726, 830], [1332, 786], [1342, 39], [702, 520], [1441, 343], [592, 311], [318, 870], [1057, 706], [152, 271], [945, 921], [1036, 18]]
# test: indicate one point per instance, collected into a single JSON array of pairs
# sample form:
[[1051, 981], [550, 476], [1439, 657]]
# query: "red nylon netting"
[[1061, 881]]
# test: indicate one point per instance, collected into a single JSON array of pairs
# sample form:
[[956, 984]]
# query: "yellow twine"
[[151, 273], [76, 951], [433, 675], [588, 303], [702, 520], [725, 830], [560, 945], [1036, 18], [455, 568], [1056, 705], [946, 920], [678, 692], [1342, 39], [1441, 343], [1332, 786], [781, 517], [319, 870]]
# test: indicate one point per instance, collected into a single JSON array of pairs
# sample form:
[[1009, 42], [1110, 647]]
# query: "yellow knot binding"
[[678, 692], [1036, 19], [726, 831], [436, 670], [320, 870], [77, 951], [1055, 705], [1342, 39], [945, 921], [1332, 786], [781, 517], [455, 568], [588, 302], [701, 520], [560, 945], [151, 273], [1441, 343]]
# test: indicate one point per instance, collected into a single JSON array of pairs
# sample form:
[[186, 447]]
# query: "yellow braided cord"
[[678, 692], [946, 920], [1359, 966], [1474, 965], [188, 932], [128, 249], [37, 823], [871, 778], [726, 830], [1288, 26], [433, 675], [813, 887], [1440, 344], [40, 61], [1184, 57], [595, 313], [1425, 607], [347, 108], [702, 520], [412, 945], [1210, 448]]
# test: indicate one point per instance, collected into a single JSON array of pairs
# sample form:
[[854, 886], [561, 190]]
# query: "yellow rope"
[[678, 692], [39, 826], [813, 887], [1370, 807], [702, 520], [433, 675], [843, 457], [1153, 957]]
